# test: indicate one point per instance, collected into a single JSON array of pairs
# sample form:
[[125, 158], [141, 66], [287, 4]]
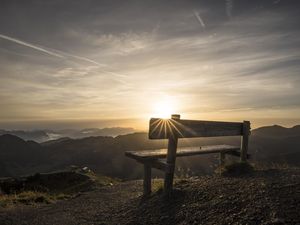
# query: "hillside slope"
[[105, 155], [265, 197]]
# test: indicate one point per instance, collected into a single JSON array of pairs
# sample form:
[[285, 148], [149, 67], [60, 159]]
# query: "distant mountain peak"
[[10, 137], [277, 131]]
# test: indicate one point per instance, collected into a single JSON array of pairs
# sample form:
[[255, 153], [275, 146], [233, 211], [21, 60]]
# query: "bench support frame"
[[168, 166], [245, 140], [222, 158]]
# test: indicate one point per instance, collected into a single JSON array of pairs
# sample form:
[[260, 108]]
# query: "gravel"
[[263, 197]]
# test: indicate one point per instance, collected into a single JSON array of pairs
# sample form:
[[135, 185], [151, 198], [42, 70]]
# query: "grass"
[[235, 169], [272, 165], [102, 180], [30, 198], [157, 185], [49, 188]]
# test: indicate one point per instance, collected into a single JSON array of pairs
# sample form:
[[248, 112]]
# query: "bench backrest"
[[168, 128], [175, 128]]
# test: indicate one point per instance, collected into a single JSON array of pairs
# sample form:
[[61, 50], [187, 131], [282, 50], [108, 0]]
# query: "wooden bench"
[[174, 128]]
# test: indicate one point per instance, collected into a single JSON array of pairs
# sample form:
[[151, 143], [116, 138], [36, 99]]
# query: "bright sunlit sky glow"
[[68, 63]]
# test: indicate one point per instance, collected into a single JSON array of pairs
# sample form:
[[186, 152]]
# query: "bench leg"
[[222, 158], [245, 140], [147, 179], [171, 159], [169, 176]]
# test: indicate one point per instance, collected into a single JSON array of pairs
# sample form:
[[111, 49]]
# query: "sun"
[[164, 108]]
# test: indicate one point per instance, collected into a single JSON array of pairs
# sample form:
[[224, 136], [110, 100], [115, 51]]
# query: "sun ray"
[[161, 127], [157, 122], [171, 121], [176, 126]]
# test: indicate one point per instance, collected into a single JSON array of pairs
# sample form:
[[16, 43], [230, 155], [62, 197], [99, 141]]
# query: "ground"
[[264, 197]]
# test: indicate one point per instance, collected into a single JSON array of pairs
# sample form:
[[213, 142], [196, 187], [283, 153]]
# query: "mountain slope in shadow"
[[105, 155]]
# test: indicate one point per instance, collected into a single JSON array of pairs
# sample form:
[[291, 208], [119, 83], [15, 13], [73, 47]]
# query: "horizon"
[[87, 124], [80, 64]]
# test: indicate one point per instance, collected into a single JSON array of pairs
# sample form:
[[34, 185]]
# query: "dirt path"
[[101, 206]]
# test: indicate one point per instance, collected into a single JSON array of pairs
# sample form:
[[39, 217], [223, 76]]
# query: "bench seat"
[[186, 151]]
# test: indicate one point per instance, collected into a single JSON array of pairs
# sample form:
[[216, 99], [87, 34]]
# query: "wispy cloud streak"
[[229, 7], [30, 46], [200, 20], [80, 58], [64, 55], [43, 49]]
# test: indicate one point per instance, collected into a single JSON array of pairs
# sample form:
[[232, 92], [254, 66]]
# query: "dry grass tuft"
[[235, 169], [30, 198]]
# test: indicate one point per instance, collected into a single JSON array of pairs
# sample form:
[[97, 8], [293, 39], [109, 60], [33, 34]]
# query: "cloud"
[[229, 8], [122, 44], [30, 46], [239, 66], [52, 53], [199, 19]]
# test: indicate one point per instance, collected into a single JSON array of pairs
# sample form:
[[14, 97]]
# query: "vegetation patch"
[[49, 187], [29, 198], [235, 169], [157, 185]]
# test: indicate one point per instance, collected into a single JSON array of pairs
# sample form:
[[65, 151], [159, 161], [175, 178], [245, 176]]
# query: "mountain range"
[[105, 154], [47, 135]]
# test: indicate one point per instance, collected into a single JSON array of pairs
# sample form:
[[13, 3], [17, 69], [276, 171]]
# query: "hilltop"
[[268, 196]]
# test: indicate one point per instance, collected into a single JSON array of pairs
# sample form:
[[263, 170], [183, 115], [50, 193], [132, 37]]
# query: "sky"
[[95, 63]]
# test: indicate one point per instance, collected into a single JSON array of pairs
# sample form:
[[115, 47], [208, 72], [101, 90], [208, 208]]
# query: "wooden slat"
[[163, 129], [189, 151]]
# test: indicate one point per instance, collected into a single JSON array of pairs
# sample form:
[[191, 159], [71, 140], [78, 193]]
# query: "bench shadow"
[[157, 208]]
